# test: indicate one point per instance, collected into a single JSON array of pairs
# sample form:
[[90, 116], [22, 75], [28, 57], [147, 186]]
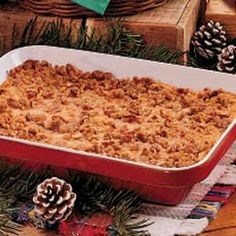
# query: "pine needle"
[[17, 186], [117, 41], [96, 196]]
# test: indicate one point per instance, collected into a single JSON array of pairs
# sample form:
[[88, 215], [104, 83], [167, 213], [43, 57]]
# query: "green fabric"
[[98, 6]]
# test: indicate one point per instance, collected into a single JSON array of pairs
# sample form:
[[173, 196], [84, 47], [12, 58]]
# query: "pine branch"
[[125, 222], [117, 41], [6, 224], [7, 227], [17, 186], [122, 205], [193, 61], [21, 184]]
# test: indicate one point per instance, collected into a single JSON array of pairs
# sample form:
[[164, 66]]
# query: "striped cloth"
[[192, 216]]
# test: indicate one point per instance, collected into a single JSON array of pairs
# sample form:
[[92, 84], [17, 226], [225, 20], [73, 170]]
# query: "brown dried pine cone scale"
[[209, 40], [54, 200], [227, 60]]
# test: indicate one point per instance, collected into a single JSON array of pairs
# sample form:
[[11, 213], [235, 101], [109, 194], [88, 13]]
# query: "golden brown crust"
[[136, 119]]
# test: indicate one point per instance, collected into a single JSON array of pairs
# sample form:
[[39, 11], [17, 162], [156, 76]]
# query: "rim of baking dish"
[[95, 155]]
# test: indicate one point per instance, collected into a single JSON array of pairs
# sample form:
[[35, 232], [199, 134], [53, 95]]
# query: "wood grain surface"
[[14, 17], [225, 222], [223, 11], [172, 23]]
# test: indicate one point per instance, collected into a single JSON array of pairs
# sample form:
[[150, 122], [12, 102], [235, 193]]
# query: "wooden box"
[[223, 11], [14, 18], [172, 23]]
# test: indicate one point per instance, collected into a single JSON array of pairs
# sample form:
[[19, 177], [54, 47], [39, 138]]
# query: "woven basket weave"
[[67, 8]]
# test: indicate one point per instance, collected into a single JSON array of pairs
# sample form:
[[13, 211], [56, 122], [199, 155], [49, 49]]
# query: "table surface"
[[223, 225], [225, 222]]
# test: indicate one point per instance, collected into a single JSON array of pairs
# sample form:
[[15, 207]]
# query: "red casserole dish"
[[158, 184]]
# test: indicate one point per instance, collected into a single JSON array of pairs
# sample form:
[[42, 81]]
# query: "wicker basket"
[[67, 8]]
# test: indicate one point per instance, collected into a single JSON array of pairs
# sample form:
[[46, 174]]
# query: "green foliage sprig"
[[123, 205], [117, 41], [17, 185]]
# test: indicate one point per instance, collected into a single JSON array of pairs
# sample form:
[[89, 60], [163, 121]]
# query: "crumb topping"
[[136, 119]]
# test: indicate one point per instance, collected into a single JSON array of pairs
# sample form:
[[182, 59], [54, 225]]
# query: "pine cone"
[[209, 40], [54, 200], [227, 60]]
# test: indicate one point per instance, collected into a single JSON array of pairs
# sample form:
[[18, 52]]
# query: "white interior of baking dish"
[[122, 67]]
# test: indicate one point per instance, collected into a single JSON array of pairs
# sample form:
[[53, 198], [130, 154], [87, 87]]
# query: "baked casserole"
[[136, 119]]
